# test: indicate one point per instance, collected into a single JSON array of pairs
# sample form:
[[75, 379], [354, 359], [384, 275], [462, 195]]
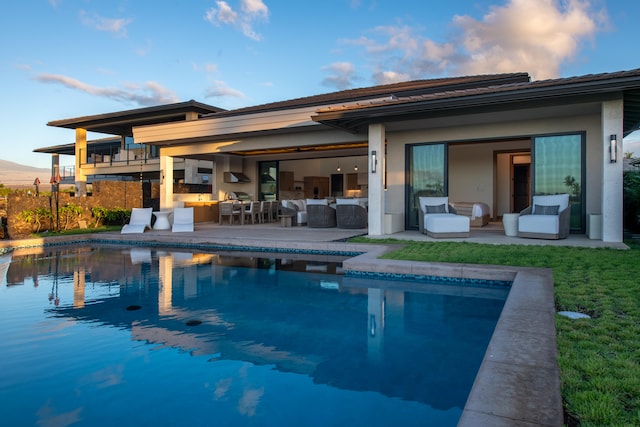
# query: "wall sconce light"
[[374, 161], [613, 148]]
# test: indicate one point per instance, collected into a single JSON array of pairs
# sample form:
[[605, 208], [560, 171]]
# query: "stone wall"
[[106, 194]]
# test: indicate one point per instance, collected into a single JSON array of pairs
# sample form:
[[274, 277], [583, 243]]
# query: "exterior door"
[[520, 186]]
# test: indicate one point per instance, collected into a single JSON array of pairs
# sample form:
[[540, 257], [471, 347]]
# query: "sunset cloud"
[[534, 36], [146, 94]]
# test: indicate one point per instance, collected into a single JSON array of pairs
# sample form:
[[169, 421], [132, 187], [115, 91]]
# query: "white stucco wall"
[[471, 167]]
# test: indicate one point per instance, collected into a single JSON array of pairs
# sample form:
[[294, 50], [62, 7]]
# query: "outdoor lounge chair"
[[548, 217], [182, 220], [438, 219], [320, 214], [140, 220], [351, 213]]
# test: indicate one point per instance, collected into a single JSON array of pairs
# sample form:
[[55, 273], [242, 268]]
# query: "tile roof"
[[352, 115], [415, 87]]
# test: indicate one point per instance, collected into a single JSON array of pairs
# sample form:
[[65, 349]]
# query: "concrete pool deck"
[[518, 383]]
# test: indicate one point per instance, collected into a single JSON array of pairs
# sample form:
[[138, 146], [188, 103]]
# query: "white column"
[[375, 324], [55, 167], [612, 181], [376, 167], [165, 291], [166, 181]]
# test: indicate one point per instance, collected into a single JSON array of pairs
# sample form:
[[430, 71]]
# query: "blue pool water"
[[108, 336]]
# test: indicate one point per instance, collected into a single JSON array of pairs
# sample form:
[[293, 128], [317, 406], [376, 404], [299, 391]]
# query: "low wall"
[[106, 194]]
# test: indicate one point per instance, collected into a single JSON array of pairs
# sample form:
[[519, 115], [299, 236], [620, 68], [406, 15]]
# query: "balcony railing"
[[115, 157]]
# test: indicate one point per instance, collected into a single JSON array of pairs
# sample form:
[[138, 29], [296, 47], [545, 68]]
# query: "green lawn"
[[599, 358]]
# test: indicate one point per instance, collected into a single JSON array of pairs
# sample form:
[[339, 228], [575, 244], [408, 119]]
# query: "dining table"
[[240, 206]]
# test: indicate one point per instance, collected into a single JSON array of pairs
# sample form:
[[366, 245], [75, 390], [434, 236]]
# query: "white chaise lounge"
[[140, 220], [182, 220]]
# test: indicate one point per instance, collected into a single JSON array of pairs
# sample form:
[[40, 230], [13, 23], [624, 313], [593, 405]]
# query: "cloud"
[[116, 26], [250, 12], [527, 35], [220, 89], [209, 67], [341, 77], [147, 94], [535, 36]]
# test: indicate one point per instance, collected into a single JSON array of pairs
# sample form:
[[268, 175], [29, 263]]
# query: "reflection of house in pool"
[[349, 337]]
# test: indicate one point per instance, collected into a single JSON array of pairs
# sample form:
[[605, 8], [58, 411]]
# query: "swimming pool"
[[107, 335]]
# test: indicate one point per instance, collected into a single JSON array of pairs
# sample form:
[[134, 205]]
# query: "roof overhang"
[[70, 149], [122, 122], [549, 93]]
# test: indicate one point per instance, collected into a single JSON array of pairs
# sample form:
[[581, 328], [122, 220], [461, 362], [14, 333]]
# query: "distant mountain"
[[15, 175]]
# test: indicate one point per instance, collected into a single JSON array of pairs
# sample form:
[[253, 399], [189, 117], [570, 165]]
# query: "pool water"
[[106, 336]]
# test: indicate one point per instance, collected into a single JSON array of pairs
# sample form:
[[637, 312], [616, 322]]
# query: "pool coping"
[[518, 382]]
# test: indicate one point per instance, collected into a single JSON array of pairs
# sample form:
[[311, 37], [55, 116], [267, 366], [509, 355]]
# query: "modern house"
[[495, 139]]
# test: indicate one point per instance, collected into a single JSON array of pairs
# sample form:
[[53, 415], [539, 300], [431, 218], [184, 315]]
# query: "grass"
[[599, 358]]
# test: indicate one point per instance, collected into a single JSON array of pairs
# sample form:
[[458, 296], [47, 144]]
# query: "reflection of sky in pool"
[[151, 337]]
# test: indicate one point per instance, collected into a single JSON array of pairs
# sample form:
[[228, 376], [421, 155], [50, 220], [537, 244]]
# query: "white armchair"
[[548, 217], [438, 219]]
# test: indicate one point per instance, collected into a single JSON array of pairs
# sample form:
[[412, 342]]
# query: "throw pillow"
[[435, 209], [545, 210]]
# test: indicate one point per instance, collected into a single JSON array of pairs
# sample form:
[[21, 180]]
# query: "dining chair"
[[253, 212], [227, 209]]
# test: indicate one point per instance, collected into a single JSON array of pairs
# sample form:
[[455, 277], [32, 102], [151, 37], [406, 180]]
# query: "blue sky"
[[66, 58]]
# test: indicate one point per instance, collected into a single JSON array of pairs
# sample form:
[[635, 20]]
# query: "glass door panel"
[[268, 173], [426, 177], [559, 169]]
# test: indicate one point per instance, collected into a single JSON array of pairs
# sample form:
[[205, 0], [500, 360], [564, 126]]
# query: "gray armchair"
[[351, 214], [548, 217], [320, 215], [438, 219]]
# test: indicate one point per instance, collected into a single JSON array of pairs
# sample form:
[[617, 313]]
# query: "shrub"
[[36, 216], [69, 213], [115, 216], [631, 205]]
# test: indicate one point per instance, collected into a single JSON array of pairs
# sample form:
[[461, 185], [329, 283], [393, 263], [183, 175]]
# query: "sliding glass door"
[[426, 176], [558, 168]]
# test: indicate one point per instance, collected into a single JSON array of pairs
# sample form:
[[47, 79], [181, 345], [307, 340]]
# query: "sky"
[[62, 59]]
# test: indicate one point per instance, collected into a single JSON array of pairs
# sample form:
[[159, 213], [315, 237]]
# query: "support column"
[[81, 157], [377, 136], [55, 170], [166, 181], [612, 172]]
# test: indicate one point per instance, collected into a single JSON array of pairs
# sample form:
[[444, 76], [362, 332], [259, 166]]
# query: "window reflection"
[[558, 170], [426, 176]]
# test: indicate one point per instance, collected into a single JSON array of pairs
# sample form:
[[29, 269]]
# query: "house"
[[495, 139]]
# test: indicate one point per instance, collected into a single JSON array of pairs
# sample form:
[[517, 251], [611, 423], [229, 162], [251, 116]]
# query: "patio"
[[255, 234]]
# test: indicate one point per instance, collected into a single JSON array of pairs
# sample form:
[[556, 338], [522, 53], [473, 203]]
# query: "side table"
[[162, 220], [285, 220], [510, 224]]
